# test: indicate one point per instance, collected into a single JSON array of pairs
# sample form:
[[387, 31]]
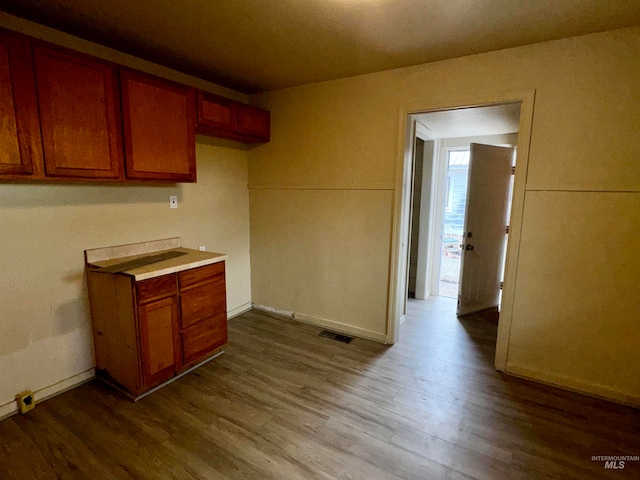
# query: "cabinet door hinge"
[[501, 285], [513, 170], [507, 228]]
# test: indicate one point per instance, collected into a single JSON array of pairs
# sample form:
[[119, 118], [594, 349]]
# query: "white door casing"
[[482, 263], [397, 285]]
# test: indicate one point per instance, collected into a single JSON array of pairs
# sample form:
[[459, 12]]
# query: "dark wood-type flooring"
[[284, 403]]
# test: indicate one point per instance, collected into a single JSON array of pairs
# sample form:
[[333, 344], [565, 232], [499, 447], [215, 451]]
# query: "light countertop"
[[192, 259]]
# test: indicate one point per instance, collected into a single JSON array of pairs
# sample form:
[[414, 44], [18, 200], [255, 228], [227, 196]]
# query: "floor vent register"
[[338, 337]]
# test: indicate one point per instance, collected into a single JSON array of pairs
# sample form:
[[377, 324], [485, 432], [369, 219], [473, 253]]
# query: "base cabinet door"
[[159, 340]]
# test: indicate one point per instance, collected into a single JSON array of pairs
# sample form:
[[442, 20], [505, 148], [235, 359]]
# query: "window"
[[448, 194]]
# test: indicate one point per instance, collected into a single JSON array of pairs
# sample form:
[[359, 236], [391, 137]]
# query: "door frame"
[[440, 180], [427, 224], [402, 210]]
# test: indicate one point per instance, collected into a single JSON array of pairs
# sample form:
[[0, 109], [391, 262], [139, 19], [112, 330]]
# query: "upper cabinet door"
[[20, 143], [159, 128], [79, 114], [254, 122], [217, 112]]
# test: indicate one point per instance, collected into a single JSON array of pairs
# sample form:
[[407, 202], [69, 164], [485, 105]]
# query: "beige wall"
[[45, 335], [333, 159]]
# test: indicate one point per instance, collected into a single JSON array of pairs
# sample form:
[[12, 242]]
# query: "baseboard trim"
[[45, 393], [566, 383], [341, 327], [275, 311], [325, 323], [234, 312]]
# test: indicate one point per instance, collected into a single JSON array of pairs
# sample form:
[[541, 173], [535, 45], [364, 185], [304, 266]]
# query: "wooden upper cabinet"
[[159, 128], [20, 143], [217, 112], [226, 118], [254, 122], [79, 114]]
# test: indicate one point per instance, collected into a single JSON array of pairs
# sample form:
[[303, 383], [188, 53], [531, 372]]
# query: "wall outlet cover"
[[26, 401]]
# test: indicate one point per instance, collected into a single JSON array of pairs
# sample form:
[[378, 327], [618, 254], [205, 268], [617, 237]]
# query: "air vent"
[[338, 337]]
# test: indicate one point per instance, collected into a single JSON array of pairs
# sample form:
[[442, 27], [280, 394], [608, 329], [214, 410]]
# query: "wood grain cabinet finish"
[[254, 122], [222, 117], [159, 128], [20, 142], [149, 331], [79, 114], [68, 116], [203, 310], [159, 341], [217, 112]]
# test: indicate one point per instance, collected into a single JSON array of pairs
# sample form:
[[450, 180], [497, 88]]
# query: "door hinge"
[[501, 285], [507, 228], [513, 170]]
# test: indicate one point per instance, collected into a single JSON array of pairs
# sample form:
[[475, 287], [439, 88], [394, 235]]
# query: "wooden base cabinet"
[[146, 332]]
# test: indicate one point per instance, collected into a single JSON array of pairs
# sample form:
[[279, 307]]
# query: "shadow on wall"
[[69, 315], [64, 318], [50, 195]]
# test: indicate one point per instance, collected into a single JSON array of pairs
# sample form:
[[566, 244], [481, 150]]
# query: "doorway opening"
[[459, 205], [414, 123], [455, 201]]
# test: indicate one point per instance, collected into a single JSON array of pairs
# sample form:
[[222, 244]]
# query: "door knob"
[[469, 247]]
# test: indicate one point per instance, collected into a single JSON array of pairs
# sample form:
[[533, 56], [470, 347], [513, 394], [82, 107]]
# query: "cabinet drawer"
[[202, 302], [203, 338], [157, 287], [200, 274]]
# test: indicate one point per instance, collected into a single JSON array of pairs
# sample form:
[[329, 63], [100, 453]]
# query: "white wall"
[[325, 183], [45, 334], [509, 139]]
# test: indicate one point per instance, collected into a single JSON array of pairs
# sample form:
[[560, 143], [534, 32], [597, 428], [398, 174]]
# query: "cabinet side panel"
[[101, 301], [125, 344]]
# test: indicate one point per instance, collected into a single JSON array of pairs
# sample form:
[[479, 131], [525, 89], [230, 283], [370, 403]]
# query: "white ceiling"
[[467, 122], [258, 45]]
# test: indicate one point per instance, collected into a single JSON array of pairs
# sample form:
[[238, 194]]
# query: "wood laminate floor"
[[284, 403]]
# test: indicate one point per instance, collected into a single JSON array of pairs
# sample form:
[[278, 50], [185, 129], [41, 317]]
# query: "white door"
[[484, 227]]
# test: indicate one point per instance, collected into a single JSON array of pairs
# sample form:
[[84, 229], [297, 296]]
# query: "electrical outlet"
[[202, 248], [26, 402], [173, 201]]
